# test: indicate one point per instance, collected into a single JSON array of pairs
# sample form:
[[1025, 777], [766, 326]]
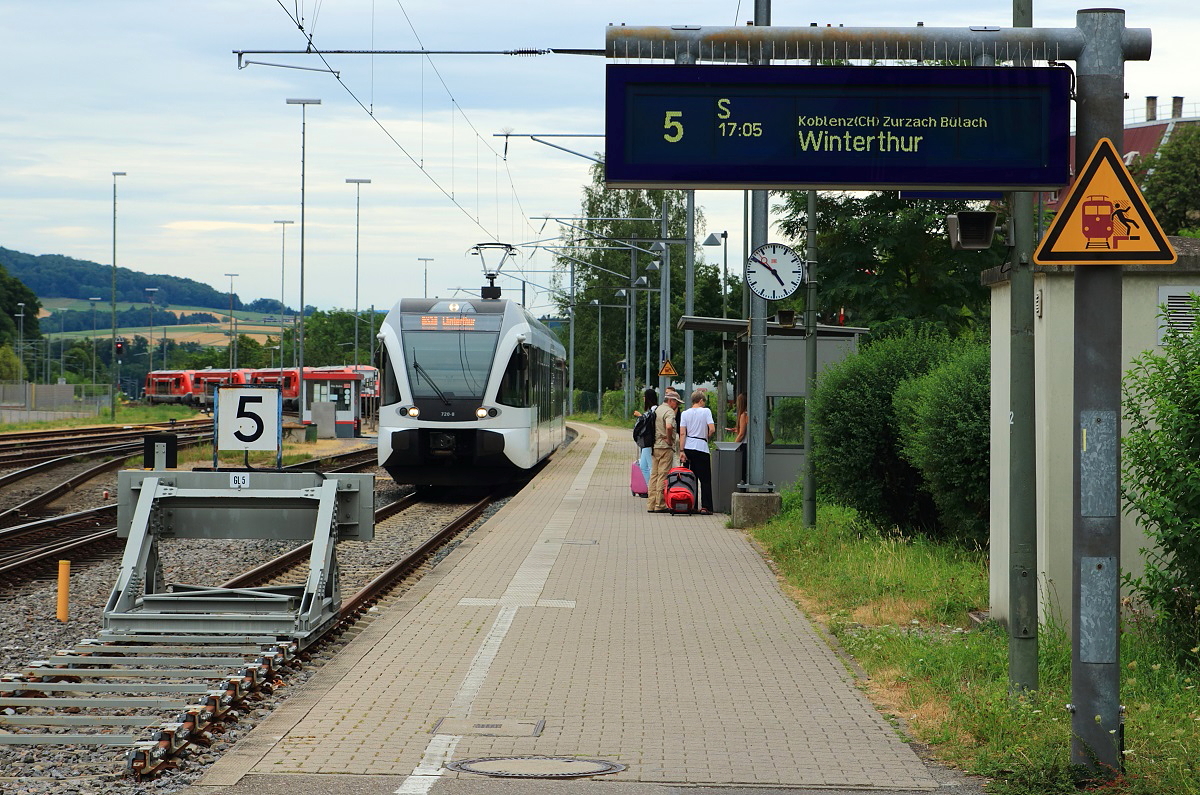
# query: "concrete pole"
[[1022, 450], [1096, 730]]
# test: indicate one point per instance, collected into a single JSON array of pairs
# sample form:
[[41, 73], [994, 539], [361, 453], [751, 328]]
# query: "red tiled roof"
[[1140, 140]]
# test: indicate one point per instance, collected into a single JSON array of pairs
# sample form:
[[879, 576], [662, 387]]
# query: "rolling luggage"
[[679, 491], [637, 481]]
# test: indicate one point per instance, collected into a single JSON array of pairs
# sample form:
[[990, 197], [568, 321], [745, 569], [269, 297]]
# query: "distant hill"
[[56, 276]]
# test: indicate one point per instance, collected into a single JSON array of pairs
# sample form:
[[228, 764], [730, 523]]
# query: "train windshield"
[[446, 358]]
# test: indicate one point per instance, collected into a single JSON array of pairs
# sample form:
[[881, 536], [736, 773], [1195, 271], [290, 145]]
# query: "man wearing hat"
[[662, 456]]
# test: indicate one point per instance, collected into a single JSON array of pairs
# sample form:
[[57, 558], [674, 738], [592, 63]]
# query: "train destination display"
[[1001, 128]]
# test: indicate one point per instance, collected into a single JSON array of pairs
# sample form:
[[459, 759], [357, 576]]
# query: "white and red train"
[[473, 392]]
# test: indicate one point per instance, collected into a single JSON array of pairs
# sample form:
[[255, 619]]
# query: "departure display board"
[[864, 127]]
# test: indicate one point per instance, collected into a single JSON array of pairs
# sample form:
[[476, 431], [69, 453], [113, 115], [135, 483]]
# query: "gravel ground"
[[29, 631]]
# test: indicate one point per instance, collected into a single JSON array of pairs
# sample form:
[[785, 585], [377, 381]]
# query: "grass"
[[126, 415], [900, 606]]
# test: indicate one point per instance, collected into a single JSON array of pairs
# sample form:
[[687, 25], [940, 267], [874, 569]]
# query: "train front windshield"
[[449, 357]]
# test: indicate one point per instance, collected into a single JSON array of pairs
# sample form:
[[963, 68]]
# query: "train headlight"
[[481, 412], [413, 411]]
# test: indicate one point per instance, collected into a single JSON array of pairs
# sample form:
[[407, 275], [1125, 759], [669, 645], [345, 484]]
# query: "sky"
[[212, 152]]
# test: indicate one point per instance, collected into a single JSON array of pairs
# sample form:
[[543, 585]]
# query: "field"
[[251, 324]]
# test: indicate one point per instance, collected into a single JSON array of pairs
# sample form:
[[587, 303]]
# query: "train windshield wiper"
[[429, 380]]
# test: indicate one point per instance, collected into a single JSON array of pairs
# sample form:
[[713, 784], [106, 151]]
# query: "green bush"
[[614, 405], [856, 445], [951, 404], [1161, 481]]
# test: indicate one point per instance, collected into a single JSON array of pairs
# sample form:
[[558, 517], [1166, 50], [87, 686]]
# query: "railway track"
[[22, 448], [31, 546], [135, 696]]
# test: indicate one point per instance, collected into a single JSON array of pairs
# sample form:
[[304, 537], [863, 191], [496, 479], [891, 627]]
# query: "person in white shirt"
[[696, 427]]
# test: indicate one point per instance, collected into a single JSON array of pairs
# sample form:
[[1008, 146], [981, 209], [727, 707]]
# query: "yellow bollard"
[[64, 589]]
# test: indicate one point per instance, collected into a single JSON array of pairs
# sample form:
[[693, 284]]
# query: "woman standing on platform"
[[649, 403], [743, 418], [696, 427]]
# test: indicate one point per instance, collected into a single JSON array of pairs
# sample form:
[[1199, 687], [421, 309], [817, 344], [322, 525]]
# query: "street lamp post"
[[21, 337], [282, 292], [599, 346], [652, 268], [426, 260], [357, 183], [150, 291], [232, 341], [722, 240], [117, 369], [625, 380], [93, 302], [303, 103]]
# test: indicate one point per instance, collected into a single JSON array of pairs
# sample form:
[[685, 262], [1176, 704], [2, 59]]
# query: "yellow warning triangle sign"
[[1104, 220], [668, 369]]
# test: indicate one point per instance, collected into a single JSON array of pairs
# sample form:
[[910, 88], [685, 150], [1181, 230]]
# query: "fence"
[[54, 400]]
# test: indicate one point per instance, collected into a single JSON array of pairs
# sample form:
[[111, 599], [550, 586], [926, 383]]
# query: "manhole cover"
[[536, 766]]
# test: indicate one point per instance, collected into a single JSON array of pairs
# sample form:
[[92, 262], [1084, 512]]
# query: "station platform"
[[577, 626]]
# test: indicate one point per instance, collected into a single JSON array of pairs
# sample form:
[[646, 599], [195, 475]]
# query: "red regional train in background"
[[196, 387], [171, 386], [286, 378]]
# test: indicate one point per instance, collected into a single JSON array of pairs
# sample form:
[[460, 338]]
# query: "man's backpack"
[[643, 429]]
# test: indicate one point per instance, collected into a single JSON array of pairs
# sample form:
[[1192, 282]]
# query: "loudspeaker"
[[971, 231]]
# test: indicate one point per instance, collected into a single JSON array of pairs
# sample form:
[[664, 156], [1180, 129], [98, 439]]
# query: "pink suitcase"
[[637, 481]]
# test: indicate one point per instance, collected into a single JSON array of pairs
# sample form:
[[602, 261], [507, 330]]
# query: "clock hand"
[[774, 273]]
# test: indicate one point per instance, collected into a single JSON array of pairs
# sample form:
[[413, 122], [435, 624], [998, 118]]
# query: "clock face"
[[774, 271]]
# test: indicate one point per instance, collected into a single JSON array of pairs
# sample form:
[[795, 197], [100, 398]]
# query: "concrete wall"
[[1054, 365]]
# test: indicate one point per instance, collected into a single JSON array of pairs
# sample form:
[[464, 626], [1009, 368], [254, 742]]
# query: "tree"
[[1161, 482], [10, 368], [594, 251], [1170, 181], [12, 293], [883, 259]]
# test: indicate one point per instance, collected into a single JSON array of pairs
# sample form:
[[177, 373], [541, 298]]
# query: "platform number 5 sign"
[[248, 418]]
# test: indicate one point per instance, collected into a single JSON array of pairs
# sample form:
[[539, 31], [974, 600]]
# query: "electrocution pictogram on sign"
[[1104, 220]]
